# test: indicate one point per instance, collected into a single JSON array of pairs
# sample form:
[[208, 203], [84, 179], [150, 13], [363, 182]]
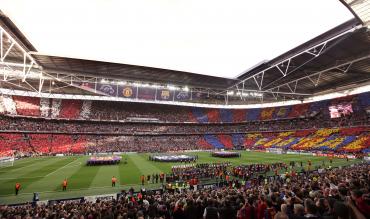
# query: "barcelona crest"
[[165, 94]]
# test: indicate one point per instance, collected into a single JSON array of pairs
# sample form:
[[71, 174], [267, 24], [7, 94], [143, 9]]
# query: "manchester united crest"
[[127, 92]]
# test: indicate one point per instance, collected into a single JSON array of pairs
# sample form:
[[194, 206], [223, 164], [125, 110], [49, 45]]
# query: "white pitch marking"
[[16, 162], [32, 177], [61, 167]]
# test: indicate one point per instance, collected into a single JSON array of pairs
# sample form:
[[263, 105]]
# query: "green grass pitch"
[[45, 174]]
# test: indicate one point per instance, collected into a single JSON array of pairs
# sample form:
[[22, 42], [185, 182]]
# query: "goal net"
[[6, 159]]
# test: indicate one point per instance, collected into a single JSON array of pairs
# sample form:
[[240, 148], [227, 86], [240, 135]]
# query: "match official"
[[114, 180], [17, 188], [64, 184]]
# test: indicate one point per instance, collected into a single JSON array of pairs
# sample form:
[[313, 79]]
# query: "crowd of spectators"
[[248, 171], [145, 144], [348, 140], [115, 111], [331, 194], [199, 171], [104, 110], [63, 126], [119, 111], [74, 119]]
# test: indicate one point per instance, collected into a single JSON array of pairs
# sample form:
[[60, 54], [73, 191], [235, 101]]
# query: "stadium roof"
[[318, 65], [350, 46], [54, 64], [207, 37], [334, 60]]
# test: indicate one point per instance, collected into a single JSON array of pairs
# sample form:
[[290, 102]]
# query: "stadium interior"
[[299, 124]]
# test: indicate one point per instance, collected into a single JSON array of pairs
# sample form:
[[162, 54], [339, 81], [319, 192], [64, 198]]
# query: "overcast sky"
[[216, 37]]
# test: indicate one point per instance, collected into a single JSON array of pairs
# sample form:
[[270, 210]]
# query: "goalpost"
[[6, 160]]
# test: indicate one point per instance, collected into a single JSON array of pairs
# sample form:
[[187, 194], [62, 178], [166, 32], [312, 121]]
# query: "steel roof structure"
[[336, 60]]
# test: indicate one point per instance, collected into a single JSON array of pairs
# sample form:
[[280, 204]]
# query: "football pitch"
[[44, 175]]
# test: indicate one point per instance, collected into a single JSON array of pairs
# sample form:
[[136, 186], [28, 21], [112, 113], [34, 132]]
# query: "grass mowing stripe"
[[28, 176], [55, 164], [163, 166], [129, 173], [104, 176], [81, 177], [52, 174], [63, 167], [30, 170], [19, 178], [145, 166], [21, 165]]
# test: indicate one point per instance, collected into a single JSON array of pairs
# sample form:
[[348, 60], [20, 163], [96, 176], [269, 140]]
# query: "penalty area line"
[[62, 167], [32, 177], [20, 162]]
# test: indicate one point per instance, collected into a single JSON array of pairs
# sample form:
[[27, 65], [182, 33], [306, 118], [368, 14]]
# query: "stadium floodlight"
[[171, 87], [186, 88], [230, 93], [103, 80], [121, 82], [255, 94]]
